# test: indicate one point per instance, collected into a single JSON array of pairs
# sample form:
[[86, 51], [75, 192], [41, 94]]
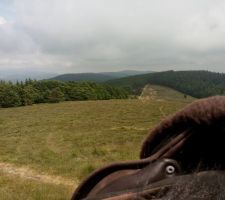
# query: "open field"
[[161, 93], [16, 188], [47, 149]]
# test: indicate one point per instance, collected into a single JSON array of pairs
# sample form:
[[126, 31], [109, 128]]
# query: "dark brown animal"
[[194, 137], [200, 186], [156, 171]]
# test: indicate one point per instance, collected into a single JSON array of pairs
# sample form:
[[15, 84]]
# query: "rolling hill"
[[97, 77], [194, 83], [125, 73], [22, 74]]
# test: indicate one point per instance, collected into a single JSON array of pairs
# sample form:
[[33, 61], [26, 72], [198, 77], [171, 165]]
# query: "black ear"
[[97, 176], [194, 136], [201, 114]]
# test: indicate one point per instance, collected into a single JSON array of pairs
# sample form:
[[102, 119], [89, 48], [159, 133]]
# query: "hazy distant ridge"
[[97, 77], [22, 74]]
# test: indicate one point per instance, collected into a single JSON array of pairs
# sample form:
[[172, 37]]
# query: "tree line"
[[49, 91], [198, 84]]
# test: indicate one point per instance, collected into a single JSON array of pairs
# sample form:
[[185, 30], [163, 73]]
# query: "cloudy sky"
[[109, 35]]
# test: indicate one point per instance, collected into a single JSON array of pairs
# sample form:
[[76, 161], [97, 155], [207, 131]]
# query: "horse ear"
[[116, 186], [201, 113], [97, 176]]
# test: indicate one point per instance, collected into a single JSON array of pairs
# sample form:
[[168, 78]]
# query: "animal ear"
[[194, 136], [201, 114], [97, 176], [126, 186]]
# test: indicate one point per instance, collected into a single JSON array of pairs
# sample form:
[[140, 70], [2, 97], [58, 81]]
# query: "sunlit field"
[[47, 149]]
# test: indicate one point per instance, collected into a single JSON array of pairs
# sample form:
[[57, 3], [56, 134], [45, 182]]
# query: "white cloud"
[[100, 35], [2, 20]]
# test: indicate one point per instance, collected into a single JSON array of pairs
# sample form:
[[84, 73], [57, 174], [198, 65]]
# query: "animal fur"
[[202, 114]]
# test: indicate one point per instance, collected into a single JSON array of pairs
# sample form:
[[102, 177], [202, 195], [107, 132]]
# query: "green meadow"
[[47, 149]]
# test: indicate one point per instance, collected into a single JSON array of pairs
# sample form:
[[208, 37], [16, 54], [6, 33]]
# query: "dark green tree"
[[9, 96], [55, 95]]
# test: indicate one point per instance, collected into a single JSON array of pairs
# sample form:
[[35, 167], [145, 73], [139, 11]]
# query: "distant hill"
[[125, 73], [194, 83], [97, 77], [23, 74]]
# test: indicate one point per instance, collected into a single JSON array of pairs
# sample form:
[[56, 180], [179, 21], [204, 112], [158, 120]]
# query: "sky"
[[111, 35]]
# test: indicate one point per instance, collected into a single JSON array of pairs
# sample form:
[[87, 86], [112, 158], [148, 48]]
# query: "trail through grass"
[[67, 141], [27, 173]]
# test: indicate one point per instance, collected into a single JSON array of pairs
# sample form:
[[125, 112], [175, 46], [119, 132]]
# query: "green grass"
[[14, 188], [157, 92], [71, 139]]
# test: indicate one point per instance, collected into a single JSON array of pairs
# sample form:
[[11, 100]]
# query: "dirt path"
[[27, 173], [162, 112], [147, 94]]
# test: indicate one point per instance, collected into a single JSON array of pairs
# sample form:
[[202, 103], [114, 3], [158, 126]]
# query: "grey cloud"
[[99, 35]]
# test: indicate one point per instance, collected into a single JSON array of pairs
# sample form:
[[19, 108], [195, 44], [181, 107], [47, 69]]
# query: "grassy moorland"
[[66, 141], [15, 188]]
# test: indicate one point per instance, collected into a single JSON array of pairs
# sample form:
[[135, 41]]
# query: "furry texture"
[[203, 185], [200, 115]]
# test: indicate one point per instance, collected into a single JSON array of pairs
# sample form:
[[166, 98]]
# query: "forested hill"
[[97, 77], [194, 83], [94, 77]]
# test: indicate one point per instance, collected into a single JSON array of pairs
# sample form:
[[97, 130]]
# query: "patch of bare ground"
[[147, 94], [27, 173]]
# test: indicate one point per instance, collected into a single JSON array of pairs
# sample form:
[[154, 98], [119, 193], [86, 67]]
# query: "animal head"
[[192, 142]]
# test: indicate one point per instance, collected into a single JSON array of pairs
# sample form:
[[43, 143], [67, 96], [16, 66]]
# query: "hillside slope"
[[194, 83], [95, 77], [125, 73], [98, 77], [162, 93]]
